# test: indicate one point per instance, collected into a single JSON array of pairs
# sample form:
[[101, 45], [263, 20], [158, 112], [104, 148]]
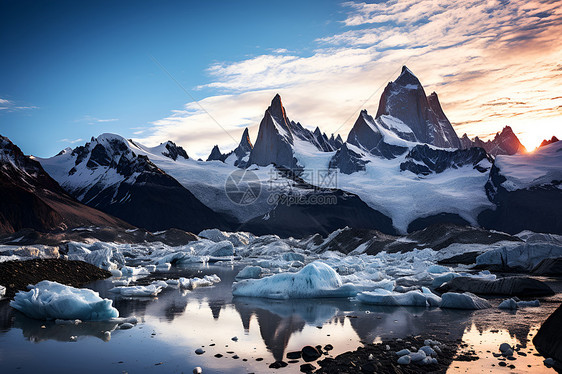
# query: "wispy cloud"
[[93, 120], [492, 62], [12, 106], [71, 141]]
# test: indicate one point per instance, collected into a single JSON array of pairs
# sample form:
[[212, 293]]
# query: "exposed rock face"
[[548, 340], [369, 135], [108, 175], [549, 267], [509, 286], [504, 143], [275, 138], [174, 151], [536, 208], [277, 135], [30, 198], [244, 148], [216, 155], [335, 142], [406, 100], [554, 139], [300, 219], [347, 161], [425, 160]]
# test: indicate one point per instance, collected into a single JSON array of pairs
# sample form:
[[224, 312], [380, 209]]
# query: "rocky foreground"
[[17, 275]]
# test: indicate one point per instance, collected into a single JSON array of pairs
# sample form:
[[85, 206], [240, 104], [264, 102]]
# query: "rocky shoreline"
[[17, 275]]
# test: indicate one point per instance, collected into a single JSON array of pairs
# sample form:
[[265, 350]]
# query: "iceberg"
[[52, 300], [137, 291], [314, 280], [390, 298], [467, 300]]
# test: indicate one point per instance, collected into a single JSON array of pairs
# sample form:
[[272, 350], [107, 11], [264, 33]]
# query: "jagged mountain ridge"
[[32, 199], [109, 173], [503, 143], [384, 149]]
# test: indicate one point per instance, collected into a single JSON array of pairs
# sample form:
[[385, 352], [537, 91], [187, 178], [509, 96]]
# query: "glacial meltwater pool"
[[177, 322]]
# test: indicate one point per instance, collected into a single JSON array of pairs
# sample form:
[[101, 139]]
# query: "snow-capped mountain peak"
[[405, 99]]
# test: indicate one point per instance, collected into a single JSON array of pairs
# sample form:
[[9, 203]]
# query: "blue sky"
[[71, 70]]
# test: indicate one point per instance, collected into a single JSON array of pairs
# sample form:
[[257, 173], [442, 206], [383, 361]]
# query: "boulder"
[[548, 340]]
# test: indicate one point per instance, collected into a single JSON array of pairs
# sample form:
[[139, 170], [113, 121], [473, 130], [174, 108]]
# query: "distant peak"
[[507, 129], [245, 141], [406, 71]]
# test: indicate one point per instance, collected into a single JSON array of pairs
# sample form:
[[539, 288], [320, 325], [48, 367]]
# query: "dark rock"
[[31, 199], [347, 161], [504, 143], [174, 151], [548, 340], [216, 155], [278, 365], [367, 134], [545, 142], [536, 209], [334, 209], [548, 266], [509, 286], [425, 160], [406, 100], [328, 347], [436, 219], [16, 275], [143, 194], [307, 368], [310, 353], [467, 258], [294, 355], [276, 135]]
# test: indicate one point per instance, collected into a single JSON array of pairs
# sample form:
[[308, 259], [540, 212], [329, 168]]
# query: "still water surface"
[[173, 325]]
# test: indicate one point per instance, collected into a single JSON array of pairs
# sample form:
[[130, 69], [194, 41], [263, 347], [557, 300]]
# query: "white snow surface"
[[525, 170], [405, 196], [51, 300]]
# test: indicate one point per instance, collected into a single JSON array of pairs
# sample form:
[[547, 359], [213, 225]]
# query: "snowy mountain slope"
[[405, 99], [30, 198], [527, 191], [405, 196], [115, 175]]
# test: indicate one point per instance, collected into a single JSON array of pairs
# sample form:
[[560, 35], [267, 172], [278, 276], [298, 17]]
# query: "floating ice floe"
[[236, 238], [130, 271], [250, 272], [314, 280], [514, 303], [51, 300], [467, 300], [389, 298], [137, 291]]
